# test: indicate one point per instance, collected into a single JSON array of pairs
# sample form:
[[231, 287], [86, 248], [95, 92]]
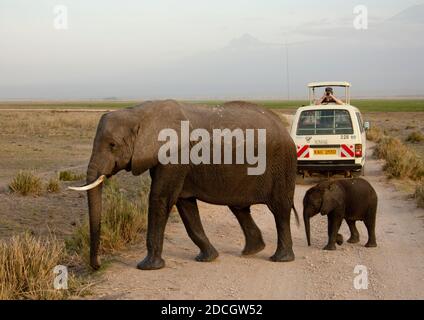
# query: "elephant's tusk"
[[89, 186]]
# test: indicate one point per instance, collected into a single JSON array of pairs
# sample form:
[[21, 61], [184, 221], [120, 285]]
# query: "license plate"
[[323, 152]]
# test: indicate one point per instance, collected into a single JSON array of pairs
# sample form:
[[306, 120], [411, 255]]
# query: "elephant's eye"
[[112, 145]]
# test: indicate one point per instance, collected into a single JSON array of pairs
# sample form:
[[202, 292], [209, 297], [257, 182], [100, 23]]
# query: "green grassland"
[[401, 105], [368, 105]]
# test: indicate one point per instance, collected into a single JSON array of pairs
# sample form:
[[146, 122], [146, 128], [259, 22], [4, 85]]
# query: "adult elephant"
[[128, 139]]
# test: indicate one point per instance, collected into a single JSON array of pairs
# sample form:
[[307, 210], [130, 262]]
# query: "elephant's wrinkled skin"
[[349, 199], [128, 139]]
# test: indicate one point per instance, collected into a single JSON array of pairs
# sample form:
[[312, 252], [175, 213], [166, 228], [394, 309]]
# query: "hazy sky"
[[207, 49]]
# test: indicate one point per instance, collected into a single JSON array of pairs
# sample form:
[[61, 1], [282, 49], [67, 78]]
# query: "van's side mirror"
[[366, 125]]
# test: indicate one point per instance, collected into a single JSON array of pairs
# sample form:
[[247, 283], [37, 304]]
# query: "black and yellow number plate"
[[325, 152]]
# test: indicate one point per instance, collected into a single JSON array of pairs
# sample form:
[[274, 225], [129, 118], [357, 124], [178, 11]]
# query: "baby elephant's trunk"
[[296, 215], [306, 219]]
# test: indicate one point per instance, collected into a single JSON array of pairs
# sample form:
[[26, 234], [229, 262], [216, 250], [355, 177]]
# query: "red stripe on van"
[[348, 151], [302, 150]]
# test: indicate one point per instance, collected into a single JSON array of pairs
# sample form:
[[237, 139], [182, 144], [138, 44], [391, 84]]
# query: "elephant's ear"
[[155, 117], [332, 198]]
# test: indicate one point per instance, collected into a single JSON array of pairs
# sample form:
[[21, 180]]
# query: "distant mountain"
[[384, 60], [414, 14], [245, 41]]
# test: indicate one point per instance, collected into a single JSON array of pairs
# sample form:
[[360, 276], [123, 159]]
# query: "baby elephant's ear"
[[333, 197]]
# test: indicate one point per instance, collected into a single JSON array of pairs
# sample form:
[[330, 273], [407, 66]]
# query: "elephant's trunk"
[[306, 219], [95, 212]]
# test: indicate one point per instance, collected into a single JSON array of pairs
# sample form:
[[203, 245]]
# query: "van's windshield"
[[324, 122]]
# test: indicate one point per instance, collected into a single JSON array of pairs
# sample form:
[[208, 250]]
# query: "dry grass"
[[123, 221], [45, 140], [26, 268], [49, 123], [405, 122], [375, 134], [385, 146], [419, 194], [401, 161], [71, 176], [406, 165], [53, 186], [25, 183], [415, 137]]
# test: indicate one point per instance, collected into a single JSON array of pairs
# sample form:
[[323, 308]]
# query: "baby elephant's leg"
[[334, 223], [354, 234]]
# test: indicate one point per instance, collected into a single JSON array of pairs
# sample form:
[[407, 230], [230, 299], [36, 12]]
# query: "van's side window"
[[361, 124], [324, 122]]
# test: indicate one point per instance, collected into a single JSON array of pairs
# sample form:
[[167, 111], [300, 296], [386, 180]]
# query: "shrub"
[[385, 146], [404, 165], [419, 194], [26, 268], [70, 176], [415, 137], [375, 134], [401, 162], [122, 222], [26, 183], [53, 186]]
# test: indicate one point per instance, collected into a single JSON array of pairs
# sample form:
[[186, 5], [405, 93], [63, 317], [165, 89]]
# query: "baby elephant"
[[349, 199]]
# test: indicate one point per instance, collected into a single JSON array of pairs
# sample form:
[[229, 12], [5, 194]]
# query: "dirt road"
[[395, 267]]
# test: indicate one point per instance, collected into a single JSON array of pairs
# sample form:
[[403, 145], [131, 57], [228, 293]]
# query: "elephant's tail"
[[296, 215]]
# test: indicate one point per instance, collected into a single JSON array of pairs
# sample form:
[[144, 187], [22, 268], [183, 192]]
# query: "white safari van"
[[329, 134]]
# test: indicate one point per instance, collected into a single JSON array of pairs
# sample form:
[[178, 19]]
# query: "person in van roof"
[[329, 97]]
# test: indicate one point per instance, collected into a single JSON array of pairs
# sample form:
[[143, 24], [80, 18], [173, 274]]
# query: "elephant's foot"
[[371, 244], [283, 256], [253, 247], [330, 247], [339, 239], [353, 239], [151, 263], [208, 255]]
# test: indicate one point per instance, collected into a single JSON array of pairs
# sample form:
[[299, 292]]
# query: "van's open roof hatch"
[[314, 85], [329, 84]]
